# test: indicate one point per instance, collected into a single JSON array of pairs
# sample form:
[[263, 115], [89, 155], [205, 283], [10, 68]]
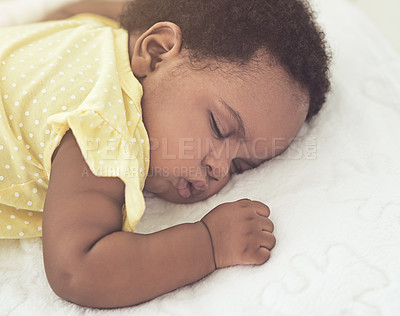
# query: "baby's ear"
[[159, 43]]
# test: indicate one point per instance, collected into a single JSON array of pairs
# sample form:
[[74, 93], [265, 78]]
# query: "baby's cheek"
[[216, 186]]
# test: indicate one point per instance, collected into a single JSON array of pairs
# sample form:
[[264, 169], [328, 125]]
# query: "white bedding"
[[334, 196]]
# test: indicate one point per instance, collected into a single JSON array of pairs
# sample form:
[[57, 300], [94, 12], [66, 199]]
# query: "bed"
[[334, 199]]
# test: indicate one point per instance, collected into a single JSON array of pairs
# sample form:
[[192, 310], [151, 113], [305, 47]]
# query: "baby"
[[174, 98]]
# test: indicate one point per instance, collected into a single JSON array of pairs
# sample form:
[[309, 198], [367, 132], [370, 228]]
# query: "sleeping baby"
[[173, 97]]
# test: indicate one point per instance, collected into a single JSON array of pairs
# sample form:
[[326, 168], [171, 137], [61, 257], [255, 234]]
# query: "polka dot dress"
[[60, 75]]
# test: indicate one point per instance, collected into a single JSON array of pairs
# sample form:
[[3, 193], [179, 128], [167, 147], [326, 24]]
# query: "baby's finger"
[[261, 208], [269, 240], [267, 225], [262, 255]]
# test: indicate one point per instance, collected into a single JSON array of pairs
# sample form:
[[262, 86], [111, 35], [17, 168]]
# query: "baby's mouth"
[[184, 188]]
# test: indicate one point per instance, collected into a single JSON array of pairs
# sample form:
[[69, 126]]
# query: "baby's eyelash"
[[215, 127]]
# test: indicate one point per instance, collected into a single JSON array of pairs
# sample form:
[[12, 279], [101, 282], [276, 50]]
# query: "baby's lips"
[[182, 183], [199, 185]]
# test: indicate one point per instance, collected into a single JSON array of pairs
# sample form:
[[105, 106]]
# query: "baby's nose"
[[219, 171]]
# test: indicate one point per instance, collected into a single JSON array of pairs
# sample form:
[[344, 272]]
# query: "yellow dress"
[[60, 75]]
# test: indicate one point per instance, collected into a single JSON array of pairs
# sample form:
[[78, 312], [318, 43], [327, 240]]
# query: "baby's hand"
[[241, 233]]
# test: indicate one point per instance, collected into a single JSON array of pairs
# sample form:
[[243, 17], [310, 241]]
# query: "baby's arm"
[[90, 261], [110, 9]]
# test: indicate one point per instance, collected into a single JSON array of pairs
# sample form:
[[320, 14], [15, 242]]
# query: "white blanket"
[[334, 196]]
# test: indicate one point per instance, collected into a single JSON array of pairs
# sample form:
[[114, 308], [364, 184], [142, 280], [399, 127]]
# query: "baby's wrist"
[[208, 244], [211, 242]]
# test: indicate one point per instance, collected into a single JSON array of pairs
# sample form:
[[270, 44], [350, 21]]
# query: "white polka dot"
[[73, 97], [26, 222], [3, 78], [63, 89], [27, 146], [7, 166], [82, 89], [21, 125], [41, 144], [22, 167], [44, 91], [19, 137], [142, 141], [6, 96], [23, 75], [9, 227], [64, 108], [1, 178], [47, 131], [29, 203], [16, 194], [39, 228], [28, 157], [61, 73], [16, 103], [44, 110], [14, 84], [11, 117], [40, 180], [15, 148], [30, 135], [35, 190], [53, 98], [27, 113], [21, 234], [24, 92], [35, 101], [1, 147]]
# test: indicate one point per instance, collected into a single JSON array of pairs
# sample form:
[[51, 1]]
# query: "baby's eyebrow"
[[236, 116]]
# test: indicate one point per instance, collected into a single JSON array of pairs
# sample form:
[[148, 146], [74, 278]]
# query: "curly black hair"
[[235, 30]]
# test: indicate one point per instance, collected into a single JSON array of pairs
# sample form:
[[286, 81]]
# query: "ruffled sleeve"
[[108, 153]]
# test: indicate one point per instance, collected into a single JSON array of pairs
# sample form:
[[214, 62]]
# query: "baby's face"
[[206, 125]]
